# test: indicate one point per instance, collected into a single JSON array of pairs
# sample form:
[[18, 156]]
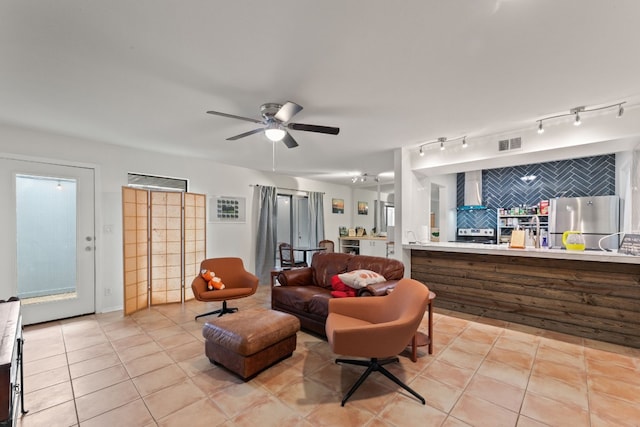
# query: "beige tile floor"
[[150, 369]]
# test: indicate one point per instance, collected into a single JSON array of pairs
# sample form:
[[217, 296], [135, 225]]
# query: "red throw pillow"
[[340, 290]]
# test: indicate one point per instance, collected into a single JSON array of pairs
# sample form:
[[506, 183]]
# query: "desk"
[[307, 250]]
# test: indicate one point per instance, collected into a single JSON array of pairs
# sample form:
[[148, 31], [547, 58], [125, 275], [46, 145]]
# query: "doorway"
[[292, 222], [48, 256]]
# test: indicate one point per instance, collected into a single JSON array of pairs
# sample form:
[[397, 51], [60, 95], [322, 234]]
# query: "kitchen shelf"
[[521, 221]]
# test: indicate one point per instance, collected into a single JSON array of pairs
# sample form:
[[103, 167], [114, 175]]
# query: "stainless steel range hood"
[[472, 191]]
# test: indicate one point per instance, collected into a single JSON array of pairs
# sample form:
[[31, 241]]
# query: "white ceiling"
[[389, 74]]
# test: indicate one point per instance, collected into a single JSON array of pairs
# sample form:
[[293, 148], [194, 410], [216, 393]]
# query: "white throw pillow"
[[358, 279]]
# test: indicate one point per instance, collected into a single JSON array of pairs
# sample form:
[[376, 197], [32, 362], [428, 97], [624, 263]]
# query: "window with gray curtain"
[[316, 218], [265, 197]]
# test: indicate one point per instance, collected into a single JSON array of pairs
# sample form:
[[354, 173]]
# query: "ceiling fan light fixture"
[[274, 132]]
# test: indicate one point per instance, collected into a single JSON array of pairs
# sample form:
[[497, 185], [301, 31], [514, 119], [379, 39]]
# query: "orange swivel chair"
[[238, 282], [377, 329]]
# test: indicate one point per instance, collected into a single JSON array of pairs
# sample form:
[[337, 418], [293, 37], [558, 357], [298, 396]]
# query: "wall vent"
[[510, 144]]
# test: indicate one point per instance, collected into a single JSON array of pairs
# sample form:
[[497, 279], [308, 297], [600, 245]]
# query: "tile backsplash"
[[503, 188]]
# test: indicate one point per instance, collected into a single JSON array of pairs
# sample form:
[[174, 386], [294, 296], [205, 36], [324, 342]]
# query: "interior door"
[[47, 254]]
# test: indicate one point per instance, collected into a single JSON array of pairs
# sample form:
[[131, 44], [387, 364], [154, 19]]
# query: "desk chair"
[[287, 257], [327, 244]]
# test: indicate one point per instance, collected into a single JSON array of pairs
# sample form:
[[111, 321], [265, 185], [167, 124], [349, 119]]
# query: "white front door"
[[47, 253]]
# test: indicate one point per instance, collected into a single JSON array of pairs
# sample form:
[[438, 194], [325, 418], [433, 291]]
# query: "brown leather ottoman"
[[250, 341]]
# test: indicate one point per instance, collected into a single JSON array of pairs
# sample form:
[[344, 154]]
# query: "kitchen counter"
[[504, 249], [590, 294]]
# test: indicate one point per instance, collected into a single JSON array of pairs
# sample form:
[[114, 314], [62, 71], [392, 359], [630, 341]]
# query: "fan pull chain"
[[273, 156]]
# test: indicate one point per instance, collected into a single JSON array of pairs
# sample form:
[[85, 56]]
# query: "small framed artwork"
[[227, 209], [363, 208], [337, 206]]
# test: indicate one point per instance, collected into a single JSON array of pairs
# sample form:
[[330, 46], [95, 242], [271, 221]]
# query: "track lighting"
[[360, 177], [577, 111], [442, 140]]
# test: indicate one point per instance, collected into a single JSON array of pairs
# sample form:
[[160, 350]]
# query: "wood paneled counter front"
[[589, 294]]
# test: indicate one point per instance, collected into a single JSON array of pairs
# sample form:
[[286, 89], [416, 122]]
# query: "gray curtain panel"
[[266, 239], [316, 218]]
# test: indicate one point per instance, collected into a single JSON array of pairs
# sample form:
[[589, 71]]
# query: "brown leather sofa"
[[305, 292]]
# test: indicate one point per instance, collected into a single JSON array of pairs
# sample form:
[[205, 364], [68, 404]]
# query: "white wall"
[[207, 177]]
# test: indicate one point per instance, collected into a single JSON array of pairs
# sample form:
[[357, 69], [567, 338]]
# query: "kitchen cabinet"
[[371, 246], [508, 223], [350, 245]]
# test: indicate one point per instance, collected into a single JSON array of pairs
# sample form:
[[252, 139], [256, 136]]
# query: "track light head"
[[620, 110], [577, 121], [421, 152], [441, 146], [577, 112], [464, 142], [540, 128]]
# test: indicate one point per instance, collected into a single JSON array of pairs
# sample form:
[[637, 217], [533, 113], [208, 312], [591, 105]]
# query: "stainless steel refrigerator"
[[595, 217]]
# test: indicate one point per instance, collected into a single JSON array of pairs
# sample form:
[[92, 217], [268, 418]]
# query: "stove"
[[476, 235]]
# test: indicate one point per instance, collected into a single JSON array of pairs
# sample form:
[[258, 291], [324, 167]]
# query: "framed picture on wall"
[[227, 209], [337, 206], [363, 208]]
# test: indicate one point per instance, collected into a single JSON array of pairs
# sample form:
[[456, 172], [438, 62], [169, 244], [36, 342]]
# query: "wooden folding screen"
[[168, 234]]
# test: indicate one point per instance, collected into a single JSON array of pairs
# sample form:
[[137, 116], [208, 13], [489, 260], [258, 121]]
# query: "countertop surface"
[[504, 249]]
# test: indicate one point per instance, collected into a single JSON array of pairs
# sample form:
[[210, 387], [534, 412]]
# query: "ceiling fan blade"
[[232, 116], [314, 128], [289, 141], [242, 135], [287, 111]]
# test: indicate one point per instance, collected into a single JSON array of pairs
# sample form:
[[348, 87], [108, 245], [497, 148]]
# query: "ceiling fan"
[[275, 122]]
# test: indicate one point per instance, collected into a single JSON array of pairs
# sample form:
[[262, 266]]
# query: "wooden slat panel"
[[590, 299], [135, 247], [194, 238]]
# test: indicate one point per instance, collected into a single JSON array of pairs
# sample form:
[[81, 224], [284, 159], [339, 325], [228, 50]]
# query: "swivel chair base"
[[375, 365], [223, 310]]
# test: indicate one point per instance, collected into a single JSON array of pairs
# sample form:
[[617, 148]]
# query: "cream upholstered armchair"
[[238, 282], [376, 328]]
